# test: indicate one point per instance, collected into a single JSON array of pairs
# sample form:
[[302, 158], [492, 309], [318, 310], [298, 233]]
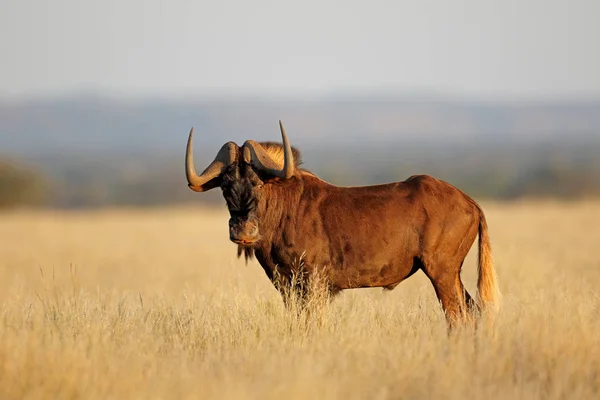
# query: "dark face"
[[242, 189]]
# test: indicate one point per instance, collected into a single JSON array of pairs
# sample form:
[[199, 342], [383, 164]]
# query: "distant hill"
[[101, 124]]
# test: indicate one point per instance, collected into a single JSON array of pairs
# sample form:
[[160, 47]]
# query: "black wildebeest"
[[371, 236]]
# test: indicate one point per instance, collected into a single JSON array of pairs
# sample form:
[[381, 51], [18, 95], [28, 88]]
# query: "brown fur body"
[[373, 236]]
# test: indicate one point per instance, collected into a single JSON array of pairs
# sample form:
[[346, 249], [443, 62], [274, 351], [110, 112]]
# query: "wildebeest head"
[[242, 173]]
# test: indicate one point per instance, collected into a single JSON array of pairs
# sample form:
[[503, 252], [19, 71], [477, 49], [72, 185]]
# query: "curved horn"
[[204, 181], [259, 157], [288, 164]]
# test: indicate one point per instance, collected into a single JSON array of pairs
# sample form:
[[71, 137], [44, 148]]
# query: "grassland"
[[154, 304]]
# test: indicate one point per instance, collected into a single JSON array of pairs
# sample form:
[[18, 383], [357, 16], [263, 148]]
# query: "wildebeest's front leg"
[[294, 291], [284, 279], [295, 300], [305, 291]]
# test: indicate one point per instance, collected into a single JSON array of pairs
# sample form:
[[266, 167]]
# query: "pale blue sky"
[[485, 48]]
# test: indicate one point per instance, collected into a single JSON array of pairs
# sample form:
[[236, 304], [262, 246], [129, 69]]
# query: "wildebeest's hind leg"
[[472, 306], [449, 291]]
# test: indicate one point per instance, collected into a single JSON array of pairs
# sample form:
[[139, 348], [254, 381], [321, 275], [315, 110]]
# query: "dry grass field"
[[154, 304]]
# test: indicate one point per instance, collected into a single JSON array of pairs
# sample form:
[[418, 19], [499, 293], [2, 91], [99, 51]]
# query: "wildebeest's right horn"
[[260, 158], [205, 181]]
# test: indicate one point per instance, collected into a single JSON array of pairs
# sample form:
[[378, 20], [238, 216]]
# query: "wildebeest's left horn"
[[205, 181], [256, 155], [288, 165]]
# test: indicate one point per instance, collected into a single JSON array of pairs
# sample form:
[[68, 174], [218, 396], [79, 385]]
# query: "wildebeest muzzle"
[[243, 231]]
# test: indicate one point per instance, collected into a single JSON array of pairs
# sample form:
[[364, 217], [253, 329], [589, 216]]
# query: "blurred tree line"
[[20, 186], [150, 180]]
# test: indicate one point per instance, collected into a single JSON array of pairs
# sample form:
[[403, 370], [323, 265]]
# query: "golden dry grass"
[[155, 305]]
